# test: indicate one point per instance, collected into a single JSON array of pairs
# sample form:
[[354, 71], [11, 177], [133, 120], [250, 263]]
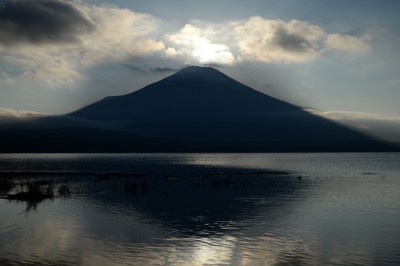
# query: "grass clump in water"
[[64, 191], [34, 191]]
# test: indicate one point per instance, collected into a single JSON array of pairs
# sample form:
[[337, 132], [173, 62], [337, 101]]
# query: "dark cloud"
[[149, 69], [214, 65], [291, 42], [41, 21]]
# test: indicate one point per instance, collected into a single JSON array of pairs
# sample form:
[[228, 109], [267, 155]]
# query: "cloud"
[[351, 115], [57, 42], [59, 39], [202, 43], [5, 112], [5, 77], [148, 69], [384, 127], [41, 21], [11, 115], [170, 52], [276, 40], [121, 33], [349, 44], [48, 66], [257, 39]]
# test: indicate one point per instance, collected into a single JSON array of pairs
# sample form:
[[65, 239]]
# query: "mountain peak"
[[199, 74], [197, 69]]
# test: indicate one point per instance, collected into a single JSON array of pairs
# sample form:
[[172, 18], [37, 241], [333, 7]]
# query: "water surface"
[[205, 209]]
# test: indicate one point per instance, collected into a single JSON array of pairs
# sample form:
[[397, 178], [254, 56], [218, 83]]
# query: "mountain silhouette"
[[200, 109]]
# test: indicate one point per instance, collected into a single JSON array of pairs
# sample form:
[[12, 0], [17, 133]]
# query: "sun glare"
[[202, 45], [207, 53]]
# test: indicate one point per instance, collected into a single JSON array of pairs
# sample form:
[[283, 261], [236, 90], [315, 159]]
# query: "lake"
[[200, 209]]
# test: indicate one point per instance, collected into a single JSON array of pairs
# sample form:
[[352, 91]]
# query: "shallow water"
[[205, 209]]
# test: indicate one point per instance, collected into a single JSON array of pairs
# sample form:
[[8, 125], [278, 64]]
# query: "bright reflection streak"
[[213, 250]]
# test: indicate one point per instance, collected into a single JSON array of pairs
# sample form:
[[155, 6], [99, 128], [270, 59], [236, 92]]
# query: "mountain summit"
[[202, 109], [197, 109]]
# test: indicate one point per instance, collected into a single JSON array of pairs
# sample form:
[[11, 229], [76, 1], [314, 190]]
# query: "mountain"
[[202, 109], [190, 94], [198, 109]]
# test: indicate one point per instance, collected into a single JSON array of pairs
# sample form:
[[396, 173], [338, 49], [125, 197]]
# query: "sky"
[[338, 59]]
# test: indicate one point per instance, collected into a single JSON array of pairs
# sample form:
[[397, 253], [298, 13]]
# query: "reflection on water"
[[205, 210]]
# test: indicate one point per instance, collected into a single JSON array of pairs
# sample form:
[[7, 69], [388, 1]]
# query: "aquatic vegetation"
[[64, 191], [32, 192], [36, 191]]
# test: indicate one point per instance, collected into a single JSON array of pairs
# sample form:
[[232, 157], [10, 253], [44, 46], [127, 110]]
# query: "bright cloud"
[[276, 40], [258, 39], [121, 33], [351, 115], [11, 115], [170, 52], [346, 43], [384, 127], [201, 42]]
